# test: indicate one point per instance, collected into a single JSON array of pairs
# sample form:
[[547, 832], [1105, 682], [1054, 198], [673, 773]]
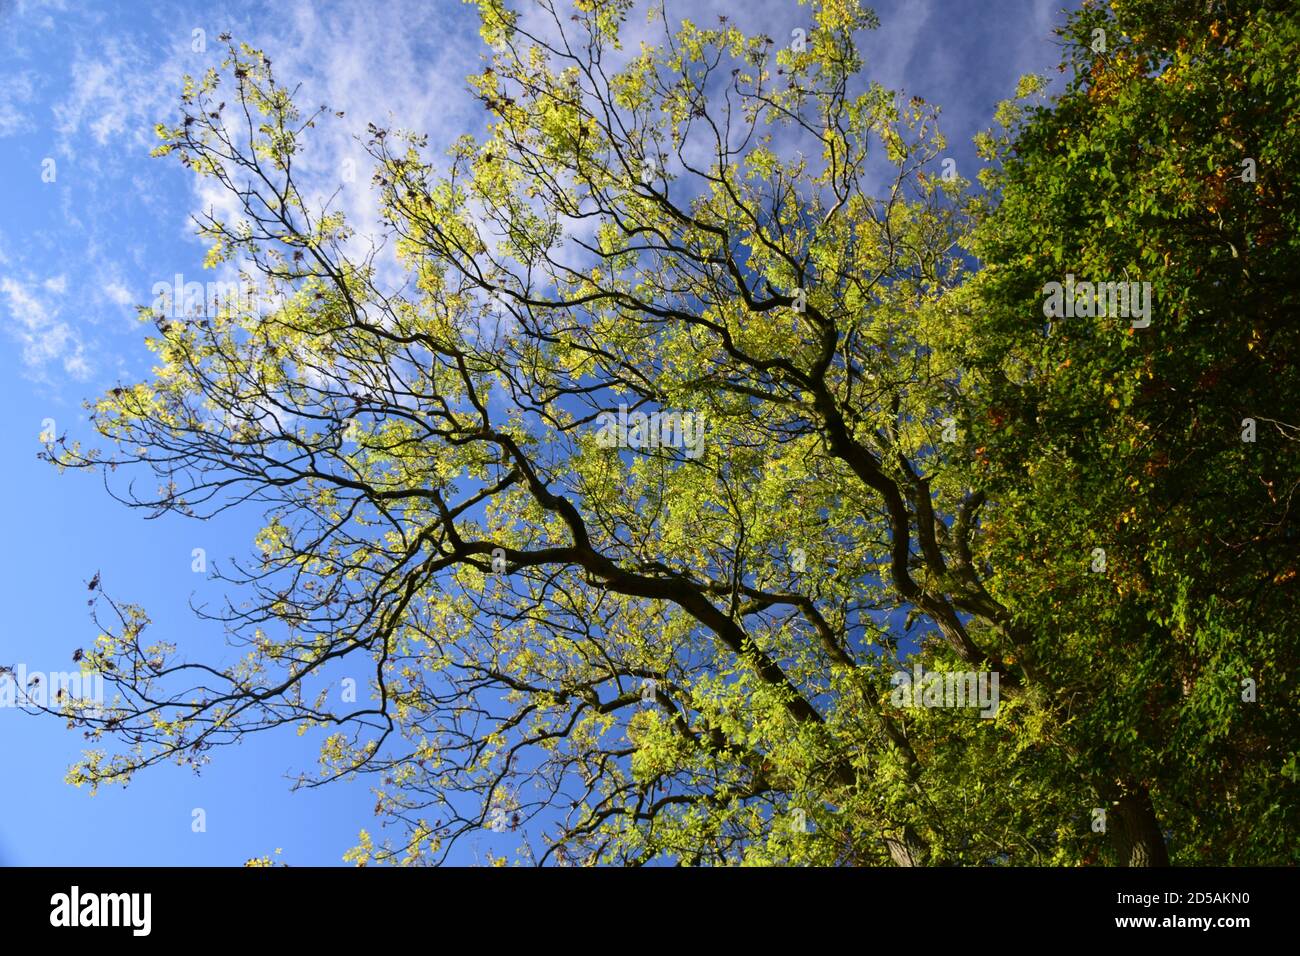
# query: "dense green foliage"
[[1101, 435]]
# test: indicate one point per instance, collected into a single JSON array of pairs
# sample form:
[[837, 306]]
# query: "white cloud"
[[43, 337], [118, 294], [15, 92], [120, 94], [354, 61], [77, 366], [26, 5]]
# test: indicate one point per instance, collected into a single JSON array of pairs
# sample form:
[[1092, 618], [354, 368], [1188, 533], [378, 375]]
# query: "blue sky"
[[81, 86]]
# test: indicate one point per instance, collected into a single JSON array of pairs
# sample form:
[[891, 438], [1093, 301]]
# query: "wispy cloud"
[[33, 321], [97, 93], [118, 294], [117, 93], [411, 77], [16, 94]]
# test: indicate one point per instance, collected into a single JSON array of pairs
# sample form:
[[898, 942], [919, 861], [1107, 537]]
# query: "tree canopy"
[[852, 443]]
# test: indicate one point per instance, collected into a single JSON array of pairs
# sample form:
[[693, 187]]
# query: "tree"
[[1128, 446], [642, 482]]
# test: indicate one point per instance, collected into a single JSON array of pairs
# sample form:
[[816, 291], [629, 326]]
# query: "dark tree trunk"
[[907, 850], [1135, 831]]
